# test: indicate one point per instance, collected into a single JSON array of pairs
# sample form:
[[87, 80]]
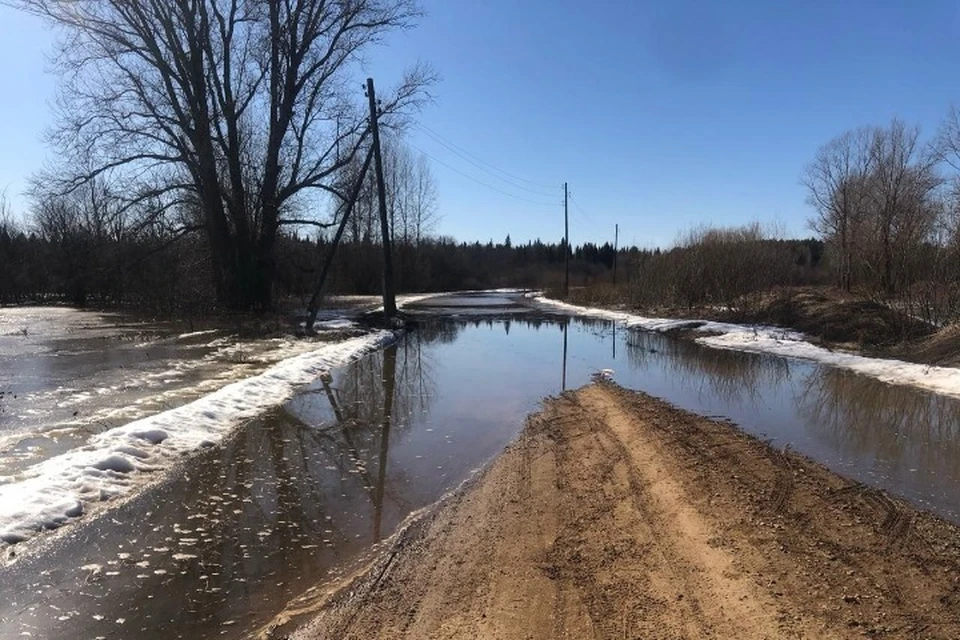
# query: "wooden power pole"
[[616, 237], [389, 296], [566, 246]]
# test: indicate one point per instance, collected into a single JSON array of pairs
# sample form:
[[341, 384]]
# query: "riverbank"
[[617, 515], [827, 316]]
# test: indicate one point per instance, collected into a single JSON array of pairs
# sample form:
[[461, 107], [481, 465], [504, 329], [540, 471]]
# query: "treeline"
[[887, 215], [166, 274], [84, 250], [726, 267], [443, 264]]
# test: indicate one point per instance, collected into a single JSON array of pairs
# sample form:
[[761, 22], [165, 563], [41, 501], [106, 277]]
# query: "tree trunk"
[[887, 276]]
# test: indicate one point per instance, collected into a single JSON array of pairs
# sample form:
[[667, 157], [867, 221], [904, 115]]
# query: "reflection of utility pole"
[[389, 299], [338, 414], [563, 380], [389, 385], [566, 246], [614, 340]]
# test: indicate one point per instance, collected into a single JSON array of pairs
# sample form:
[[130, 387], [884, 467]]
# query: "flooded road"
[[297, 495]]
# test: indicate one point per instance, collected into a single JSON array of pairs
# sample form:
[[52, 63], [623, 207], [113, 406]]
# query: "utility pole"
[[389, 297], [616, 237], [566, 246]]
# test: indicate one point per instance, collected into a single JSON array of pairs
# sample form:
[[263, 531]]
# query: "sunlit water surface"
[[297, 496]]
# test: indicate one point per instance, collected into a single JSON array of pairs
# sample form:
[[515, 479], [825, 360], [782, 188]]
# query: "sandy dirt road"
[[616, 515]]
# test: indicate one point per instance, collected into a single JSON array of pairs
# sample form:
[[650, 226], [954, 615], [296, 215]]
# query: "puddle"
[[293, 497]]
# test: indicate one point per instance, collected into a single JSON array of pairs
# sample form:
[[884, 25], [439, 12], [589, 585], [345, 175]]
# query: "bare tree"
[[7, 224], [411, 208], [836, 184], [414, 205], [901, 188], [947, 145], [225, 105], [423, 201], [947, 150]]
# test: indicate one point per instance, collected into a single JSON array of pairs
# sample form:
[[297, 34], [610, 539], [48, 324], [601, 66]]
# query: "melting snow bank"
[[48, 494], [337, 324], [648, 324], [780, 342]]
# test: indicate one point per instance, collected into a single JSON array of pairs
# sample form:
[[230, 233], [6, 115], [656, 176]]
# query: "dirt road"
[[617, 516]]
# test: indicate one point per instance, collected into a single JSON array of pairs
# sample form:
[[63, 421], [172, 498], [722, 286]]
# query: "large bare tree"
[[874, 190], [836, 185], [903, 207], [234, 109]]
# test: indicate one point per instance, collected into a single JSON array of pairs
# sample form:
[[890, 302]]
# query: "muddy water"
[[296, 496]]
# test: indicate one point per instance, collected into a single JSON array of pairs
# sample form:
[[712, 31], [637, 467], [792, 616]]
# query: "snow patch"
[[634, 321], [335, 324], [780, 342], [116, 462], [194, 334]]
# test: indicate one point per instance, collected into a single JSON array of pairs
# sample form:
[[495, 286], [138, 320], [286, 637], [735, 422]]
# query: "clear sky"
[[661, 115]]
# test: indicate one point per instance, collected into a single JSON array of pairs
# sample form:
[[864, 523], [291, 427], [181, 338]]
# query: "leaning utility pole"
[[389, 297], [616, 237], [566, 246]]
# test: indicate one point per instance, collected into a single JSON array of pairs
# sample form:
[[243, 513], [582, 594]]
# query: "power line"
[[477, 162], [479, 165], [480, 182], [580, 214], [586, 218]]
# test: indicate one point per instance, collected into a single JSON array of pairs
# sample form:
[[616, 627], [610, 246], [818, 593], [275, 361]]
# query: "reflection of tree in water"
[[316, 471], [905, 427], [299, 490], [444, 332], [733, 377]]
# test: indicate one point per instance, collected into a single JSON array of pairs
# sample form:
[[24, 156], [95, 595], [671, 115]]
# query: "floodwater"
[[294, 498], [66, 375]]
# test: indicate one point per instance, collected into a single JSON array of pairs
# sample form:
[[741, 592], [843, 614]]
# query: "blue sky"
[[660, 115]]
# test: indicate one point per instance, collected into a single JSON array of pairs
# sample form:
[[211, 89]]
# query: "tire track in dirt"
[[708, 593], [615, 515]]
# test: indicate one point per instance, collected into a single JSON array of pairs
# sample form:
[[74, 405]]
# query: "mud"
[[615, 515]]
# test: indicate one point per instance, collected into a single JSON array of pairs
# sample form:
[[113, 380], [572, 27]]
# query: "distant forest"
[[87, 264]]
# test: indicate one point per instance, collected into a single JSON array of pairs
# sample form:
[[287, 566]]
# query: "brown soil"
[[838, 318], [616, 515], [940, 348]]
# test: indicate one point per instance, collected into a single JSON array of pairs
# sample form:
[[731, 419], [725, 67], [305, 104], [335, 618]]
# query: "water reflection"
[[563, 383], [734, 378], [304, 491], [907, 430], [246, 527]]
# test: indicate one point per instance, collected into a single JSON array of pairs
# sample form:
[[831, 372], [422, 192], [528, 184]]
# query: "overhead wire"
[[583, 214], [480, 182], [493, 170]]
